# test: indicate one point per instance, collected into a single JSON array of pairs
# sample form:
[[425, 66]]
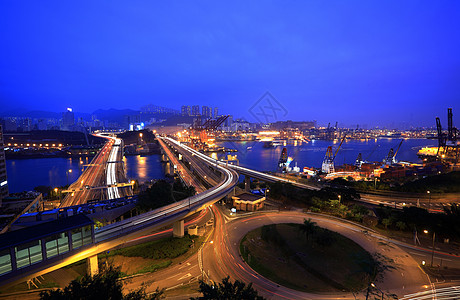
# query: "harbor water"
[[25, 174]]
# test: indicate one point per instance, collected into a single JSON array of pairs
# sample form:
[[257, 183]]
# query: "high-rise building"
[[185, 110], [196, 110], [3, 179], [150, 108], [216, 112], [206, 112], [68, 119], [10, 125]]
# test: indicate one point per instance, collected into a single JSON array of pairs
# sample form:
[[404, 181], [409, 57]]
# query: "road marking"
[[185, 276], [427, 254], [183, 266]]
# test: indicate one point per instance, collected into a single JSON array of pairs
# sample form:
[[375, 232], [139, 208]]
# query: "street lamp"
[[429, 201], [374, 286], [67, 173], [432, 249], [340, 197]]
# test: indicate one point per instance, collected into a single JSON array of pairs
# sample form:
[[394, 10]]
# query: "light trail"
[[452, 292], [244, 170], [112, 191]]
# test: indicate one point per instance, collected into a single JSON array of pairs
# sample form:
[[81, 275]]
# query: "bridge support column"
[[92, 267], [247, 183], [178, 228], [169, 168]]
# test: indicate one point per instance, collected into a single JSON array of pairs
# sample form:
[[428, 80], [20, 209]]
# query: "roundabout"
[[400, 274], [308, 258]]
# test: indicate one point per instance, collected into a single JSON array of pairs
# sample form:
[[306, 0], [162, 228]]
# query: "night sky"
[[363, 62]]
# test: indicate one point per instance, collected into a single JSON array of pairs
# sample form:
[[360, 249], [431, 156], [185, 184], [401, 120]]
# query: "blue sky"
[[355, 62]]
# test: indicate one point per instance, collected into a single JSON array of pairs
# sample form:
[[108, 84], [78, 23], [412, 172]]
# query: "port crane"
[[283, 160], [202, 130], [391, 157], [447, 143], [328, 162]]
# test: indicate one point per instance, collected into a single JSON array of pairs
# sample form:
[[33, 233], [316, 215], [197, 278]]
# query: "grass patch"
[[154, 267], [45, 283], [167, 248], [325, 262]]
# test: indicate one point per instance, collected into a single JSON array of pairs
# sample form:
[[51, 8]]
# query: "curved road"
[[222, 257]]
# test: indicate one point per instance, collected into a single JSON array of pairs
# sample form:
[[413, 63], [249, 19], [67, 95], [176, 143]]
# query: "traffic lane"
[[198, 164], [87, 178], [185, 173], [405, 276], [93, 176], [171, 277], [176, 275], [224, 263], [441, 259]]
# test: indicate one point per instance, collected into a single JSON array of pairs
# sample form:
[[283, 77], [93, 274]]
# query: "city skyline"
[[365, 63]]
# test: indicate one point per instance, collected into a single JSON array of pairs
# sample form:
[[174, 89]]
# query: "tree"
[[182, 191], [386, 222], [307, 228], [227, 290], [45, 190], [401, 225], [158, 195], [104, 285]]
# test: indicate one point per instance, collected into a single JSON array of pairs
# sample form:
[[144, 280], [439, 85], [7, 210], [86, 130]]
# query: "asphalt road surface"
[[222, 257]]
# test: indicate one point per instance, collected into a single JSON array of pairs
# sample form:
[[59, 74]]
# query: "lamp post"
[[429, 200], [432, 249], [67, 173], [374, 286], [340, 197]]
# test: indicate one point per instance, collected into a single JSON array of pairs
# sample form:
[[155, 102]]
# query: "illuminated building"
[[3, 179], [195, 110], [185, 110], [68, 119], [206, 112]]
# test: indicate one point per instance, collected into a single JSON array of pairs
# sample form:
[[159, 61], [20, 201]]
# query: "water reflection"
[[311, 154], [25, 174], [143, 168]]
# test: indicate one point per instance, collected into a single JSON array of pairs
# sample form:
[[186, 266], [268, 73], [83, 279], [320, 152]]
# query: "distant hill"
[[114, 115], [30, 114], [40, 114]]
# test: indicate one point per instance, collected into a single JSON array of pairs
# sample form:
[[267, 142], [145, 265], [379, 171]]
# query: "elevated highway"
[[102, 177], [241, 170], [110, 236], [432, 204]]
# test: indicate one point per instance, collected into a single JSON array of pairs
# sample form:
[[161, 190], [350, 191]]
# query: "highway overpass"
[[107, 237]]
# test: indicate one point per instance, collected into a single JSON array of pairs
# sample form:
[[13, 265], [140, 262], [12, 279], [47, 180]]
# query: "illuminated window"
[[28, 254], [86, 232], [57, 244], [5, 261], [76, 238]]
